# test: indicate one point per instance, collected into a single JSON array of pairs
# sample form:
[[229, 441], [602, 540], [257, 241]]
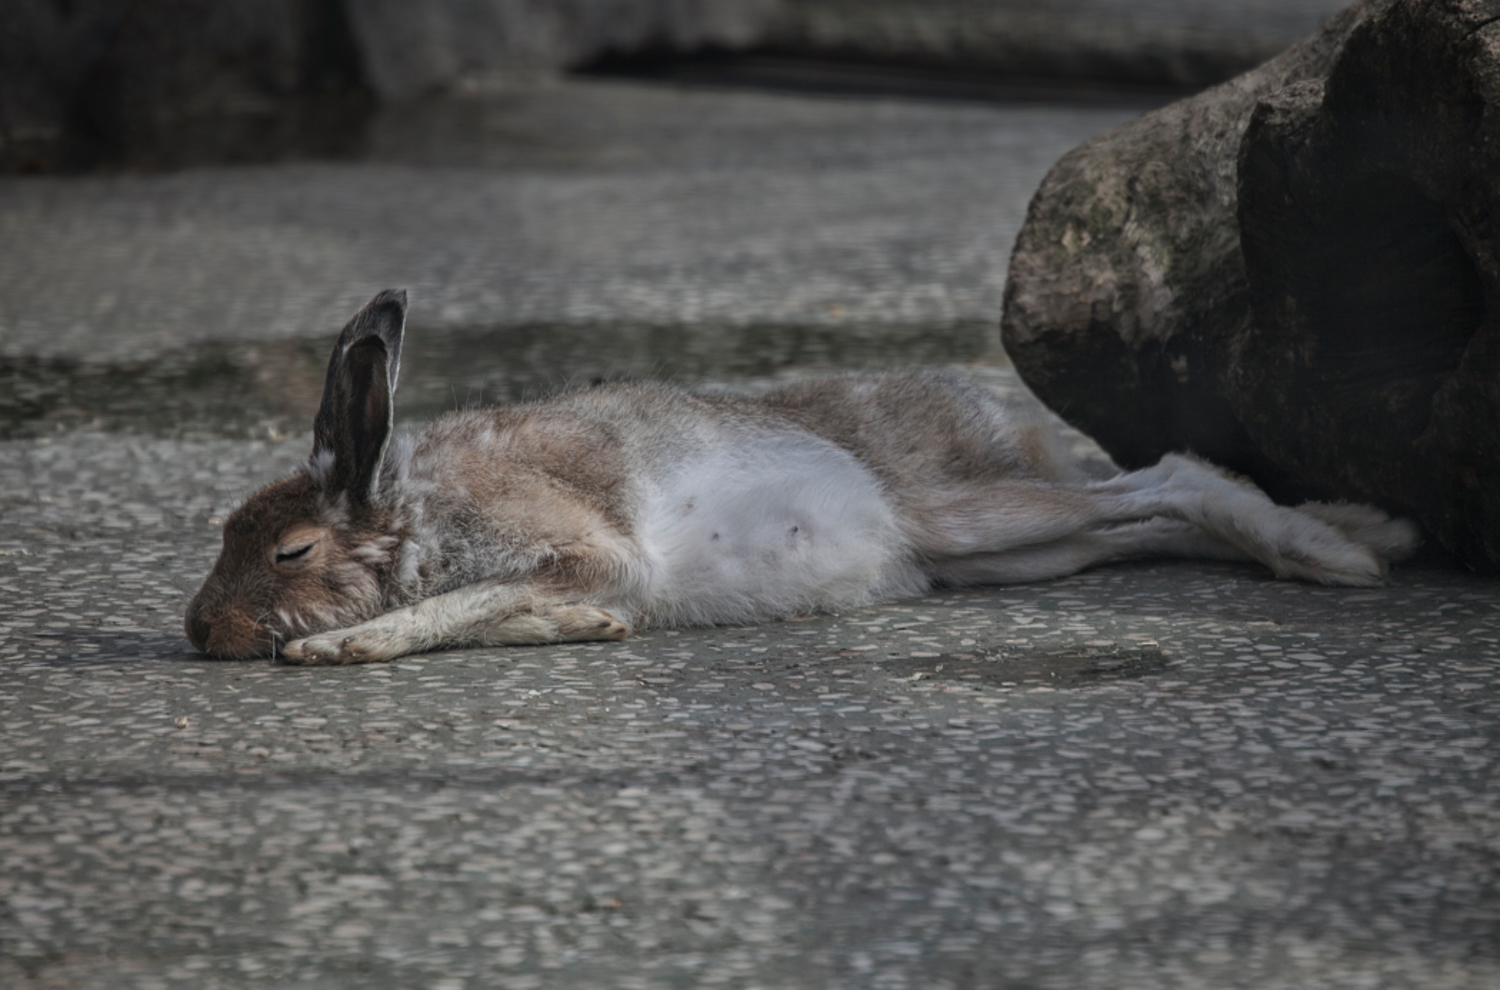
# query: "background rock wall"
[[95, 70], [1181, 42]]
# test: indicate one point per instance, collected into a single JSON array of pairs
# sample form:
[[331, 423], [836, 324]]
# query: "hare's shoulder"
[[514, 449]]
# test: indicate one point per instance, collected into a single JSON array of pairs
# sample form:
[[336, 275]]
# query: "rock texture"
[[1127, 280], [1290, 273], [1369, 212]]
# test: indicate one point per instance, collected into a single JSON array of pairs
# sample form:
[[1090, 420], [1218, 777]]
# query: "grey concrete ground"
[[1154, 775], [577, 203]]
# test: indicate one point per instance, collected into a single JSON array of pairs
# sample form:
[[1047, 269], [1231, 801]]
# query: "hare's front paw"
[[581, 623], [338, 647]]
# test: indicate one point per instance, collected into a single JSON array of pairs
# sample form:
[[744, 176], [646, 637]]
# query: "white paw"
[[577, 623], [338, 647], [1344, 563], [1392, 539]]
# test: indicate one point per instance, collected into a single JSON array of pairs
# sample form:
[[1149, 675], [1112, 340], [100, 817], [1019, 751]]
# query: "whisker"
[[263, 622]]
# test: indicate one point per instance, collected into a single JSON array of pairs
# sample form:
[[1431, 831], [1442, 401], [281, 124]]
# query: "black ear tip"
[[396, 296]]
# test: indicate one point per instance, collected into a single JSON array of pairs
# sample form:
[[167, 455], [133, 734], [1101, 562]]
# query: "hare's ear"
[[354, 422]]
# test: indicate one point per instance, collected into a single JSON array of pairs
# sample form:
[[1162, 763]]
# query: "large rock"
[[1294, 274], [1127, 280], [1370, 221]]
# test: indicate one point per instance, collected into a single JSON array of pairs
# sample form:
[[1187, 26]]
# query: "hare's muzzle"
[[225, 633]]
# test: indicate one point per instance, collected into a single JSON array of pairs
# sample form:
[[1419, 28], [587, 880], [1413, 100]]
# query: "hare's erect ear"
[[354, 422]]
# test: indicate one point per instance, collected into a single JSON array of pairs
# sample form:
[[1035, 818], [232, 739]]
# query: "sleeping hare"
[[607, 509]]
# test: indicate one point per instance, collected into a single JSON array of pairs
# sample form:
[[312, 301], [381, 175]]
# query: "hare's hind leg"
[[1071, 554], [486, 614], [1342, 544], [1053, 527]]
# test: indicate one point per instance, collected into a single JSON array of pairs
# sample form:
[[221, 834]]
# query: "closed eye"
[[287, 554]]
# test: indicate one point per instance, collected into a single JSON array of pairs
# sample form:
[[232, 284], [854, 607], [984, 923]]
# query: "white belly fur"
[[777, 527]]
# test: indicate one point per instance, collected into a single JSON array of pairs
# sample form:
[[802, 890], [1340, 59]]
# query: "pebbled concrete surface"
[[1154, 775], [1145, 776], [584, 203]]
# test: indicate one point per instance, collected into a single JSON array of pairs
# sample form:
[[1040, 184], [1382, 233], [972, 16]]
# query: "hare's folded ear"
[[354, 422]]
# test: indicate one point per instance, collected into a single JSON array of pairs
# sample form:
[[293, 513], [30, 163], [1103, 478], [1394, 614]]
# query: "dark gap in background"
[[851, 74]]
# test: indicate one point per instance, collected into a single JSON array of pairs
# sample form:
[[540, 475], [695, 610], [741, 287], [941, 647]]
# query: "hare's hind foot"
[[1367, 541], [1393, 540], [1320, 560], [1321, 544]]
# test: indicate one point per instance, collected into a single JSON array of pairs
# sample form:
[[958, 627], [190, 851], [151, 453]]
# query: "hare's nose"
[[198, 630]]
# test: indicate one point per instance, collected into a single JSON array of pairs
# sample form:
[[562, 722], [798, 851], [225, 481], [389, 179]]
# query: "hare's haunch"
[[586, 515]]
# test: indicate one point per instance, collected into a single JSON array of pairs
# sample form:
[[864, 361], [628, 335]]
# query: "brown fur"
[[234, 615]]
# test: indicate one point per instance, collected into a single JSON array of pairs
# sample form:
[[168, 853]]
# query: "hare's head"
[[313, 552]]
